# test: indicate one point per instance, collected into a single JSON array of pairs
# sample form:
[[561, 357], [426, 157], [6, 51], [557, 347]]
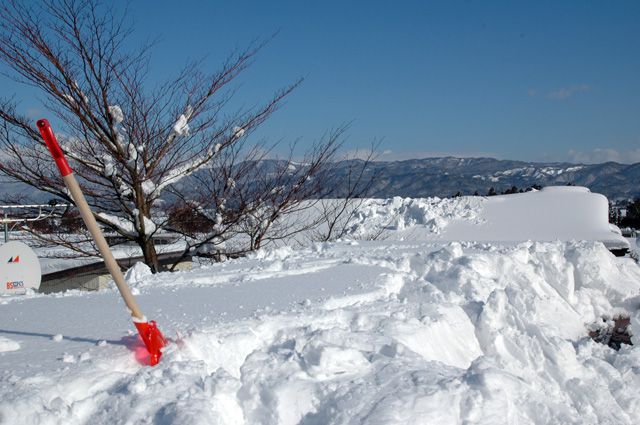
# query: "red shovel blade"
[[152, 338]]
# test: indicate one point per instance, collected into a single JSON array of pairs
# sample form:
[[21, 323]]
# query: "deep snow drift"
[[554, 213], [382, 332]]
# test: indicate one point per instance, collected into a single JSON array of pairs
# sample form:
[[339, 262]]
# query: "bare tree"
[[208, 211], [356, 180], [245, 200], [291, 189], [127, 142]]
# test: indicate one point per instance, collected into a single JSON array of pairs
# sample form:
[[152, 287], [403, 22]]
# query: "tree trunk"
[[150, 254]]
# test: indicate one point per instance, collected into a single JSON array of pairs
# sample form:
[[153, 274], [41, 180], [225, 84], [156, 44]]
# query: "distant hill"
[[446, 176]]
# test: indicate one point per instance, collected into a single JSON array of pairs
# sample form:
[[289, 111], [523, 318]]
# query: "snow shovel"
[[148, 330]]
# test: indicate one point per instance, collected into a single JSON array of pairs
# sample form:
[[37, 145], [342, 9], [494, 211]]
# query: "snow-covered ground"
[[555, 213], [399, 330]]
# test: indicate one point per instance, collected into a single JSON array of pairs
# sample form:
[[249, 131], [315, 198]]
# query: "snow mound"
[[484, 335], [433, 214], [7, 344], [563, 213], [280, 253], [137, 274], [555, 213]]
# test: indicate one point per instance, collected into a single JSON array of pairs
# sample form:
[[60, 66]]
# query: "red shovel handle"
[[54, 147]]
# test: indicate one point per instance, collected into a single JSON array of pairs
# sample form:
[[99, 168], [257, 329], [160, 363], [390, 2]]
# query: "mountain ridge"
[[446, 176]]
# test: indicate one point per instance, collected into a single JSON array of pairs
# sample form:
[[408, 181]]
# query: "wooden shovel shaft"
[[89, 220], [113, 267]]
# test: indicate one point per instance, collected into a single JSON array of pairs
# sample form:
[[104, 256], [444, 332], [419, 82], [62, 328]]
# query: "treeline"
[[493, 192], [626, 215]]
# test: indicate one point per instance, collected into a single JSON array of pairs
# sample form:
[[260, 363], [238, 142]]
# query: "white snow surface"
[[555, 213], [137, 273], [400, 330], [124, 225], [7, 344]]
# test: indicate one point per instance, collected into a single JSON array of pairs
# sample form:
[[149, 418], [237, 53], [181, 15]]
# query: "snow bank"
[[555, 213], [397, 214]]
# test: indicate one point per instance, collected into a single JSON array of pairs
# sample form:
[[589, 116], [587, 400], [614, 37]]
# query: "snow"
[[148, 187], [181, 127], [124, 189], [529, 171], [109, 166], [432, 215], [137, 273], [116, 113], [125, 226], [555, 213], [132, 152], [149, 226], [69, 98], [399, 330], [176, 174], [7, 344], [238, 132], [53, 259], [214, 149]]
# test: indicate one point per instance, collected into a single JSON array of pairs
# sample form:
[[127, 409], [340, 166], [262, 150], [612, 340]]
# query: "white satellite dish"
[[19, 268]]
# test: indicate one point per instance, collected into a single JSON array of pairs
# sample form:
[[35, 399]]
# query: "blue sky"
[[530, 80]]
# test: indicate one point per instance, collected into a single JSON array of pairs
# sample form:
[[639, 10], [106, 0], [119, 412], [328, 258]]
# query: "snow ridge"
[[396, 214]]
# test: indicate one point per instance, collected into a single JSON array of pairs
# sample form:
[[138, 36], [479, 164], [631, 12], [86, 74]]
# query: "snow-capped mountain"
[[446, 176]]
